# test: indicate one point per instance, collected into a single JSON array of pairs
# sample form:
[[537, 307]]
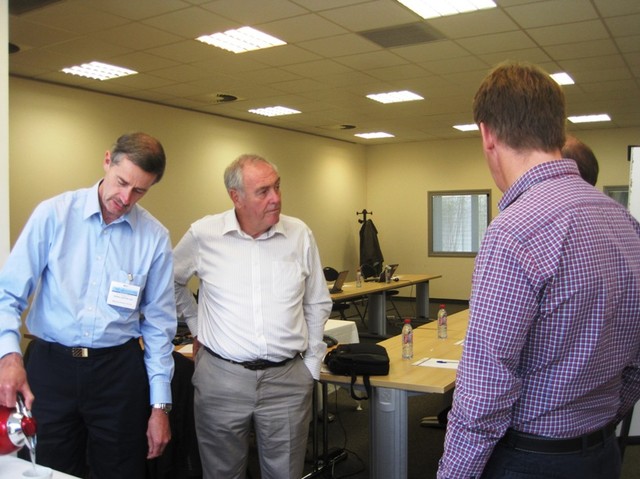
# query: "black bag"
[[358, 359]]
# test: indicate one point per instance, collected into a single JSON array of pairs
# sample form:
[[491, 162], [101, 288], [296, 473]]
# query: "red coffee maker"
[[17, 428]]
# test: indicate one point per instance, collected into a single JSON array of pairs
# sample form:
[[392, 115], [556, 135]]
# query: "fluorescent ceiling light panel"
[[98, 71], [468, 127], [589, 118], [243, 39], [376, 134], [442, 8], [394, 96], [274, 111], [562, 78]]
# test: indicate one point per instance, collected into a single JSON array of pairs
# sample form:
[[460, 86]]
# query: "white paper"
[[437, 363]]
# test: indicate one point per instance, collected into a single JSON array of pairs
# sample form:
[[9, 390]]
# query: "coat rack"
[[364, 214]]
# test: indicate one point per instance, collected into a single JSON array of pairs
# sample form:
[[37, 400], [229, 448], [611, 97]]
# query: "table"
[[12, 467], [343, 331], [377, 311], [388, 425]]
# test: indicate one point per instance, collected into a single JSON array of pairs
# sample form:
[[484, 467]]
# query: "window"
[[618, 193], [458, 221]]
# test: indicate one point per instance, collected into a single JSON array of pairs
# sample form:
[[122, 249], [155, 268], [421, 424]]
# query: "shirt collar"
[[231, 225], [92, 207], [537, 174]]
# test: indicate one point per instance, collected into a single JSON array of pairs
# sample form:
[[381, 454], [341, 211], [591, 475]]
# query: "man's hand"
[[13, 379], [196, 346], [158, 433]]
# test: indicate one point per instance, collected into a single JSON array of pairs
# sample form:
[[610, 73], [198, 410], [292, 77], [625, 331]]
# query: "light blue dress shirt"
[[69, 259]]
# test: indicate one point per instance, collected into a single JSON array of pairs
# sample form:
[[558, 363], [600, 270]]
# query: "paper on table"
[[437, 363]]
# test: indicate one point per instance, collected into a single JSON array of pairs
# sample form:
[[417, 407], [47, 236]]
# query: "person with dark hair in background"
[[584, 157], [262, 305], [551, 359], [99, 271]]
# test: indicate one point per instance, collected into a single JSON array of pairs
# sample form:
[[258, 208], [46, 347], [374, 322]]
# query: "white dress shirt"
[[262, 298]]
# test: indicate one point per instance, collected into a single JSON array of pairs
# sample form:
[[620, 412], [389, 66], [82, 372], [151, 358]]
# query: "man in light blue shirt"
[[98, 269]]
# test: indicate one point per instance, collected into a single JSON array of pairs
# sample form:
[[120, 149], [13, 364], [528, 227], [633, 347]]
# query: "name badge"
[[123, 295]]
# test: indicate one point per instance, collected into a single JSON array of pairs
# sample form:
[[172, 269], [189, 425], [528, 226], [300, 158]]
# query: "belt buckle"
[[257, 365], [80, 352]]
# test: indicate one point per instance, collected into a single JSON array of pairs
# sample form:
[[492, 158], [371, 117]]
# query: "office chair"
[[373, 271]]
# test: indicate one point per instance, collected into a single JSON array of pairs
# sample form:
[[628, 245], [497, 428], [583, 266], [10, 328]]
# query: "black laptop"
[[382, 278], [337, 285]]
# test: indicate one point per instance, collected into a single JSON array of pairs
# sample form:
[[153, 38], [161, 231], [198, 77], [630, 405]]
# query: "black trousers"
[[91, 413], [597, 462]]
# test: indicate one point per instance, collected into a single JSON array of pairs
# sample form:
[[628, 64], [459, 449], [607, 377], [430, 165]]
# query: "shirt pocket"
[[287, 280]]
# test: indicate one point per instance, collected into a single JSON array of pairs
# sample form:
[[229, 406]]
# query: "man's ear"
[[488, 138], [107, 161], [235, 196]]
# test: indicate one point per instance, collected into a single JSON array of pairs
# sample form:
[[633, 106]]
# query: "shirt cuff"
[[160, 393]]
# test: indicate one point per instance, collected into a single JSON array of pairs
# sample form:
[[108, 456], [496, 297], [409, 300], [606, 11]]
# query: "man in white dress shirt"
[[259, 321]]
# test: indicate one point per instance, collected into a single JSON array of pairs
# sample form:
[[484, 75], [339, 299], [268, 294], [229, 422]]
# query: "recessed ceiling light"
[[589, 118], [562, 78], [376, 134], [243, 39], [395, 96], [468, 127], [442, 8], [98, 71], [274, 111]]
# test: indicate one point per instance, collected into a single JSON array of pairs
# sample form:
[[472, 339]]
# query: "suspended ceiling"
[[337, 52]]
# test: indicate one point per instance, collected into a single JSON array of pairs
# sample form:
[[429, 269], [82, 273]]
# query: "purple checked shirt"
[[553, 342]]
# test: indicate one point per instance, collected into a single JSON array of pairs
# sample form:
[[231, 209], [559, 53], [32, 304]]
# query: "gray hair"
[[233, 174]]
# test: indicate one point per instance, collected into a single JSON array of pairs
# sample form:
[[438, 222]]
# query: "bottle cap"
[[442, 306], [407, 320]]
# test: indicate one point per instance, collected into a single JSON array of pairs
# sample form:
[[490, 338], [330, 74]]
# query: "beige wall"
[[399, 178], [58, 137]]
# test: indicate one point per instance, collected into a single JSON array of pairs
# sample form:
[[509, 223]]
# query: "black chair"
[[369, 271]]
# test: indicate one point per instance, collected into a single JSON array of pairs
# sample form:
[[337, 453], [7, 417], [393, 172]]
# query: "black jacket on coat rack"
[[370, 252]]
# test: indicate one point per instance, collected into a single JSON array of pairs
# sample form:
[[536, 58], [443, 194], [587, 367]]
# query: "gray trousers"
[[229, 399]]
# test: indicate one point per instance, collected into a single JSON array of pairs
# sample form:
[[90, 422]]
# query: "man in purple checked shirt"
[[551, 360]]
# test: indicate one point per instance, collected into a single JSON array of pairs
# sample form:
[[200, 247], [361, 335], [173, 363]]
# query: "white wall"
[[4, 134]]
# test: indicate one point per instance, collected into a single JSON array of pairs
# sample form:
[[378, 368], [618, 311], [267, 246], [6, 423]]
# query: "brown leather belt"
[[547, 445], [257, 365]]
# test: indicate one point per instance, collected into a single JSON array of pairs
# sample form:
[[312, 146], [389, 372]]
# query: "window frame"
[[430, 220]]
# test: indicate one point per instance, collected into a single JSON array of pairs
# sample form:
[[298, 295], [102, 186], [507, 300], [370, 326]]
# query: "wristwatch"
[[166, 407]]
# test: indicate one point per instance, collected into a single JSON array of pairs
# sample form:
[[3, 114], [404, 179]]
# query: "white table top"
[[12, 467], [342, 330]]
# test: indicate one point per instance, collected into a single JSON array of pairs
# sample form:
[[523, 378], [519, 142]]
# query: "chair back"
[[330, 274]]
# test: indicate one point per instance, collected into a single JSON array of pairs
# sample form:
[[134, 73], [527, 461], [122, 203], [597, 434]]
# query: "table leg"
[[422, 301], [377, 313], [388, 456]]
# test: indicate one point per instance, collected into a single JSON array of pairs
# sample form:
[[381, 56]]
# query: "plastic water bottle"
[[407, 340], [442, 322], [387, 274], [358, 278]]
